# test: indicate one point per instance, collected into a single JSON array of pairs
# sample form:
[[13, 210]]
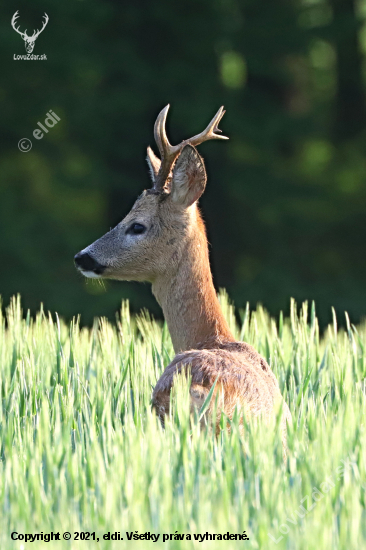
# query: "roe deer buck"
[[163, 240]]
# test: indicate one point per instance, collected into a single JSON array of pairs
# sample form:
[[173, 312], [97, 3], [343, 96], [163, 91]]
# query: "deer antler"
[[13, 21], [37, 32], [169, 152]]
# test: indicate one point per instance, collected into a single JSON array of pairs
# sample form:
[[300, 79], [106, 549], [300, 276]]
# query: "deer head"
[[29, 40], [150, 241]]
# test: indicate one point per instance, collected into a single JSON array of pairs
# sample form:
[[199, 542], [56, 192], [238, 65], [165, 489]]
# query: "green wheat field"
[[82, 452]]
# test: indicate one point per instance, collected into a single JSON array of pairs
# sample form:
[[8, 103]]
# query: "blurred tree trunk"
[[350, 115]]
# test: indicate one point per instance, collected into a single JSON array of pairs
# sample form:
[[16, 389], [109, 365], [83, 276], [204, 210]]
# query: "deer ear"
[[153, 162], [189, 177]]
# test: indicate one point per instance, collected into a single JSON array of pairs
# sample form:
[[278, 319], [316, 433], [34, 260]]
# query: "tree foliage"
[[286, 197]]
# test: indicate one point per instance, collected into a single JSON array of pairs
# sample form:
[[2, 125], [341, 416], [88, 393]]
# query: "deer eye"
[[136, 229]]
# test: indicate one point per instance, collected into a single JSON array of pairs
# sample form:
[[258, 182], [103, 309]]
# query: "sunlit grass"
[[81, 450]]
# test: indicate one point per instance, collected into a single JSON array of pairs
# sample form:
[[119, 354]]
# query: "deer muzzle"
[[88, 265]]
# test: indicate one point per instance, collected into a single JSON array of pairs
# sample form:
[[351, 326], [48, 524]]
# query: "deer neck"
[[188, 298]]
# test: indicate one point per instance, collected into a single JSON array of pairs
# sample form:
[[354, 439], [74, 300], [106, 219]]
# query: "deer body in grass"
[[162, 240]]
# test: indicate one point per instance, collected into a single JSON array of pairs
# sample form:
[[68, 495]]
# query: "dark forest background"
[[285, 204]]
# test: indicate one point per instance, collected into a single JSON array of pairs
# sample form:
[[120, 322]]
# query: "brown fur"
[[172, 254], [245, 380]]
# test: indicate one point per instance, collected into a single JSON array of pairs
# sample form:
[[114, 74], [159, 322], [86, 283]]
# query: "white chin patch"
[[90, 274]]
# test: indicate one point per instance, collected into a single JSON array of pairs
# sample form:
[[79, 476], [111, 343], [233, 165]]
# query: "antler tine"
[[14, 18], [170, 152], [167, 151], [13, 21], [209, 132], [37, 32], [159, 131]]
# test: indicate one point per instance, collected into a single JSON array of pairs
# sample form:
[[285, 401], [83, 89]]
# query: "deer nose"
[[84, 261]]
